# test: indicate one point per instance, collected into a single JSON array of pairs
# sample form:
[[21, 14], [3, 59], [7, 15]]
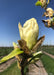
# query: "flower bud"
[[29, 32], [49, 12]]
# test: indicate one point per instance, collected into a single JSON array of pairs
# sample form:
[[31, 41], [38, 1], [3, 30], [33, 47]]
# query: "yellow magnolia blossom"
[[29, 32], [49, 12]]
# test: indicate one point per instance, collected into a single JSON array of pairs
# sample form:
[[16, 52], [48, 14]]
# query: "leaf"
[[15, 52], [34, 60], [38, 3], [37, 54], [35, 57]]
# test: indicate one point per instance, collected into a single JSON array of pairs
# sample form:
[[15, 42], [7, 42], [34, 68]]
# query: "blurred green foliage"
[[48, 49], [48, 63], [12, 70], [5, 50]]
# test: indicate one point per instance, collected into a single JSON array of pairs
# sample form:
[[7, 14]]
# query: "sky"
[[14, 11]]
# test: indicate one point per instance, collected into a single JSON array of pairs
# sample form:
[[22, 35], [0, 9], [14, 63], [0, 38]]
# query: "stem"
[[22, 70]]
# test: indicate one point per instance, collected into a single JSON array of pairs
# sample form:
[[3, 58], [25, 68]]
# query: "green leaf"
[[34, 60], [38, 3], [37, 54], [35, 57], [15, 52]]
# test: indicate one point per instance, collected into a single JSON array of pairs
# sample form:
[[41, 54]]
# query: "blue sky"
[[14, 11]]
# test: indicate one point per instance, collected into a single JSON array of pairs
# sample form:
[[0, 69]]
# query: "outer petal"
[[30, 32], [20, 30]]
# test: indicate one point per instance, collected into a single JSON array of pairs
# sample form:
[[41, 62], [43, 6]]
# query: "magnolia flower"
[[29, 32], [49, 23], [49, 12]]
